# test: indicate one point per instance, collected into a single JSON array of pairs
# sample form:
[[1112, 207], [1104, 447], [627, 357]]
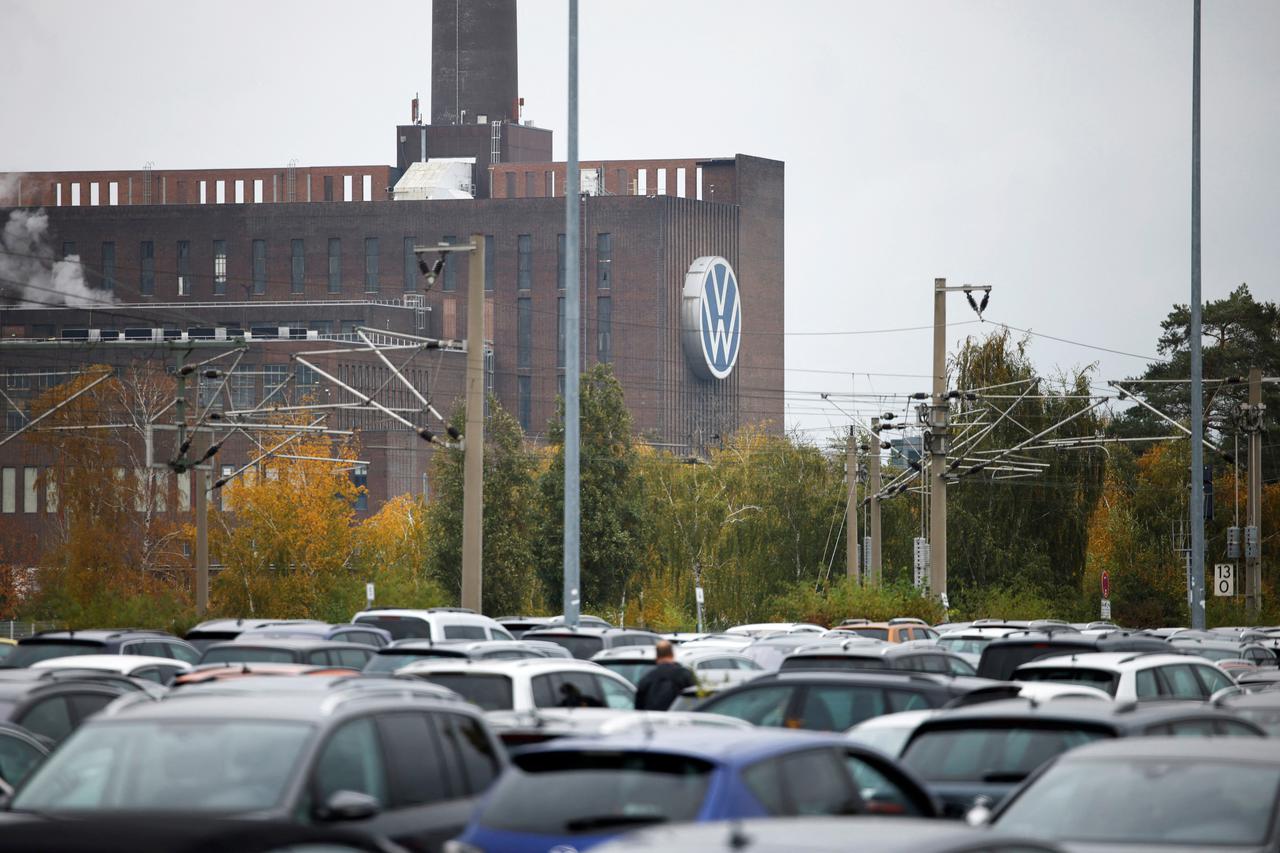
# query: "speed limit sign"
[[1224, 579]]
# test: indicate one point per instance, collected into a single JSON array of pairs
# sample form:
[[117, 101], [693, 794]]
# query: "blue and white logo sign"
[[711, 318]]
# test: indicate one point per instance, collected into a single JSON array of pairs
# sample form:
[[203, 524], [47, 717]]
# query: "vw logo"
[[711, 317]]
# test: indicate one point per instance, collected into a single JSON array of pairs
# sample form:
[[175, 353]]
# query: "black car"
[[863, 655], [833, 701], [985, 750], [582, 642], [377, 754], [20, 752], [61, 644], [1226, 649], [1147, 794], [342, 632], [51, 703], [220, 630], [289, 650], [1001, 657]]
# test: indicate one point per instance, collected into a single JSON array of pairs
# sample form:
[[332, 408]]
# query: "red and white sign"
[[1106, 584]]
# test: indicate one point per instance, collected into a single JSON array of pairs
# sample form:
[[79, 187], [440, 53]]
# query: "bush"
[[845, 599]]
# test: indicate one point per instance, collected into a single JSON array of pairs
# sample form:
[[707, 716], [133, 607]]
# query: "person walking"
[[662, 684]]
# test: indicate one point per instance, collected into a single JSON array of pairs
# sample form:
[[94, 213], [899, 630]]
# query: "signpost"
[[1106, 609], [1224, 579], [368, 594], [1106, 595]]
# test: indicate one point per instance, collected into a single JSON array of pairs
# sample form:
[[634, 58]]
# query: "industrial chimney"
[[473, 61]]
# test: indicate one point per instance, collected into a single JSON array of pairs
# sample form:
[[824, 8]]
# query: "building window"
[[360, 479], [524, 262], [298, 266], [335, 265], [604, 329], [371, 264], [29, 499], [16, 379], [328, 187], [109, 266], [307, 382], [8, 490], [242, 390], [147, 268], [259, 266], [209, 391], [410, 266], [450, 266], [68, 249], [274, 378], [604, 261], [489, 243], [560, 332], [524, 332], [560, 261], [219, 267], [184, 267], [14, 420], [524, 401]]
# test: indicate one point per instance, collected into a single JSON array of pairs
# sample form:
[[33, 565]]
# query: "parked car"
[[401, 653], [709, 665], [237, 672], [368, 752], [823, 835], [970, 642], [1261, 708], [342, 632], [220, 630], [59, 644], [911, 656], [521, 728], [768, 629], [889, 732], [1258, 679], [20, 752], [894, 631], [289, 650], [1002, 656], [832, 701], [1132, 676], [51, 703], [159, 670], [770, 651], [582, 643], [580, 792], [518, 625], [7, 647], [1223, 650], [436, 623], [986, 750], [1142, 794], [521, 685]]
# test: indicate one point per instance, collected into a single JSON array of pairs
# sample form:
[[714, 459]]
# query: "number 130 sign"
[[1224, 579]]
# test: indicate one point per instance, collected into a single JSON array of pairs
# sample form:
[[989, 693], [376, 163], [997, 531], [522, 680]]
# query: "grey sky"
[[1040, 147]]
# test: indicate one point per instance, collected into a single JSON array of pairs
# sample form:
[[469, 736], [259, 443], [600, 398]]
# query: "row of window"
[[184, 278], [215, 191]]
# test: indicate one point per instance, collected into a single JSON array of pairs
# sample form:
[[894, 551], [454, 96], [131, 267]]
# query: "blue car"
[[580, 792]]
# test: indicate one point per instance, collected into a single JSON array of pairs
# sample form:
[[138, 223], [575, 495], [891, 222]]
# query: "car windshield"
[[999, 660], [829, 662], [581, 648], [246, 654], [631, 670], [1149, 801], [873, 633], [990, 753], [399, 627], [490, 692], [29, 653], [1099, 678], [561, 792], [964, 645], [210, 765]]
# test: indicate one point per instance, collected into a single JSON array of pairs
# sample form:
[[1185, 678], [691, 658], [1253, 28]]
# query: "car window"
[[232, 653], [471, 751], [465, 632], [413, 759], [490, 691], [1214, 679], [762, 706], [359, 637], [351, 760], [578, 690], [1231, 728], [747, 663], [991, 754], [879, 793], [817, 784], [1192, 728], [615, 695], [354, 658], [927, 633], [928, 663], [1180, 682], [764, 780], [580, 647], [150, 673], [836, 707], [182, 652], [500, 633], [716, 663], [959, 666], [906, 700], [17, 757], [321, 657], [1146, 685], [399, 627], [1099, 678], [544, 692], [873, 633], [50, 717]]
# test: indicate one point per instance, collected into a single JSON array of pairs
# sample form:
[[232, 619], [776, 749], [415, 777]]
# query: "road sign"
[[697, 594], [1106, 585], [368, 593], [1224, 579], [1106, 608]]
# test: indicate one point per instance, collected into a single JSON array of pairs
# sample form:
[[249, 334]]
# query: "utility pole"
[[851, 481], [1197, 366], [939, 411], [873, 489], [200, 484], [572, 347], [1253, 529], [473, 450]]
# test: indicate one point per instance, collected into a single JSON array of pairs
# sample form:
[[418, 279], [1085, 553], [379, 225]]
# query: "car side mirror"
[[348, 805], [979, 813]]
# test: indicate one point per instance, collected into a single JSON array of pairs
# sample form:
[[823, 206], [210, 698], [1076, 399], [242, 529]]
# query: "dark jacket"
[[661, 685]]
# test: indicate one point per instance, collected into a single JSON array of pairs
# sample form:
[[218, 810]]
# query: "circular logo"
[[711, 317]]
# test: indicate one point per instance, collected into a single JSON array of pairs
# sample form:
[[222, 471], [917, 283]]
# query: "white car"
[[713, 667], [523, 685], [436, 623], [1132, 676], [159, 670], [761, 629]]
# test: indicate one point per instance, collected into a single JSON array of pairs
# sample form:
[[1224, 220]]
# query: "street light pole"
[[1197, 365], [572, 348]]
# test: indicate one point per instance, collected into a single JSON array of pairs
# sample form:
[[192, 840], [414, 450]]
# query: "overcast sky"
[[1039, 147]]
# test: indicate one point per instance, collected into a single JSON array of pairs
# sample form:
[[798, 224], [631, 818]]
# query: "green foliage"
[[844, 599]]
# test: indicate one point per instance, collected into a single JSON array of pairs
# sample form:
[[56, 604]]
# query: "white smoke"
[[9, 185], [31, 274]]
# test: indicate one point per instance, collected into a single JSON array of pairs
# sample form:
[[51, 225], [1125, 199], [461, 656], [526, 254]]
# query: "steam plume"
[[30, 272]]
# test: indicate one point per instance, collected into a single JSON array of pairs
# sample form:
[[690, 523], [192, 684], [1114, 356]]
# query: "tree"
[[612, 520], [393, 553], [511, 583]]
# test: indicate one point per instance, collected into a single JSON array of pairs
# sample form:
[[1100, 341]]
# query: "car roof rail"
[[982, 695], [907, 620], [451, 610], [1148, 652]]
